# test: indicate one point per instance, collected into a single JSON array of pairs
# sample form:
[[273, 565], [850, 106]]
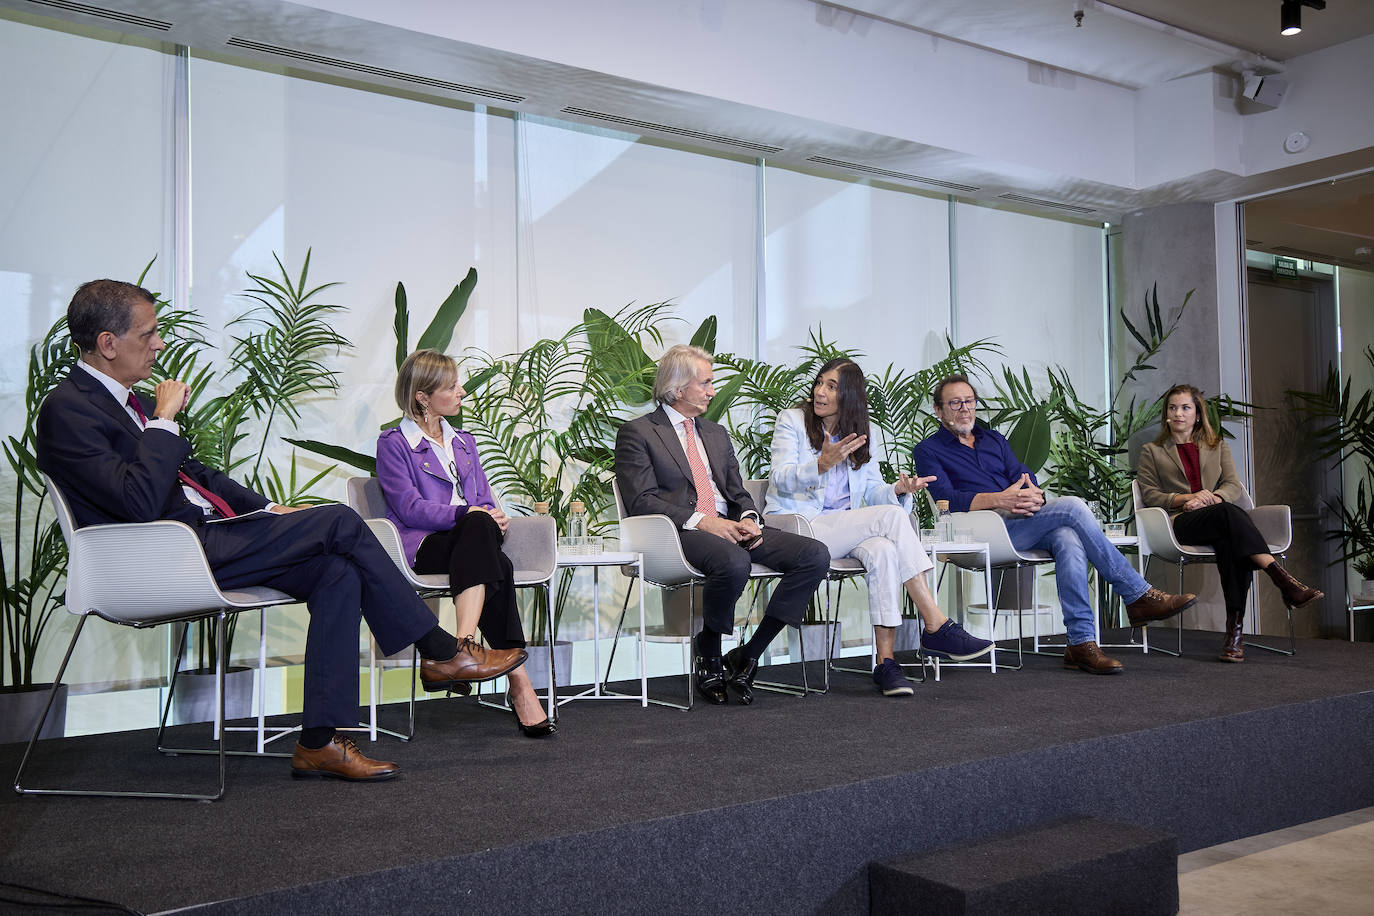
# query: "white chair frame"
[[143, 575]]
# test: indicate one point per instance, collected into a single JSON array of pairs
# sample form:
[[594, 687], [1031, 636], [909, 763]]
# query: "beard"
[[959, 426]]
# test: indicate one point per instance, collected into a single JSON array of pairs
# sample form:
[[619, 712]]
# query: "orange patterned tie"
[[706, 500]]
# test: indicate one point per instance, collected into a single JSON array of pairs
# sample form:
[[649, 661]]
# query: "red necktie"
[[220, 505], [706, 500]]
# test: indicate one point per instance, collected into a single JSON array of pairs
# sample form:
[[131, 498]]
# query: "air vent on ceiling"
[[890, 173], [1041, 202], [677, 131], [102, 13], [310, 57]]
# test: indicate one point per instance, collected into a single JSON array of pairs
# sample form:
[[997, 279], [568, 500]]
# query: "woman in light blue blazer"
[[822, 469]]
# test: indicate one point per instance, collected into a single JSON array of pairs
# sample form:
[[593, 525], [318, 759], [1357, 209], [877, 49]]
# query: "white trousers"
[[884, 540]]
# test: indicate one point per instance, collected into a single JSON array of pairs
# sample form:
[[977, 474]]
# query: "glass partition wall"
[[382, 187]]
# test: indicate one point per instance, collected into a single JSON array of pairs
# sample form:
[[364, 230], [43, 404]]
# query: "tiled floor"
[[1321, 867]]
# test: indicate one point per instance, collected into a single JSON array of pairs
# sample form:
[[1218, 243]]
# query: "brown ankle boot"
[[1233, 649], [1295, 594]]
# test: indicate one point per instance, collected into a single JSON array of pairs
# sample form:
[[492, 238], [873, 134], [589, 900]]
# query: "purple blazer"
[[417, 490]]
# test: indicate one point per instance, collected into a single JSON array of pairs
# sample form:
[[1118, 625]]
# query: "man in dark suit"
[[119, 457], [676, 463]]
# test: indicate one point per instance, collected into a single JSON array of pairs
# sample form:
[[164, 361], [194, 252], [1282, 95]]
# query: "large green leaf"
[[337, 453], [401, 324], [439, 334], [705, 337], [1030, 438]]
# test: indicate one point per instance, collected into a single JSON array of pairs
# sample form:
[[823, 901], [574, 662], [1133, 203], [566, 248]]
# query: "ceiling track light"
[[1290, 14]]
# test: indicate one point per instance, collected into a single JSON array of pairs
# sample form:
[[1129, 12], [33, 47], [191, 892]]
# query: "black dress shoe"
[[739, 673], [710, 678]]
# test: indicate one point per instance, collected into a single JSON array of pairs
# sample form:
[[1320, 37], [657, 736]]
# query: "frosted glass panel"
[[868, 266], [607, 219], [84, 178], [1035, 286], [382, 189]]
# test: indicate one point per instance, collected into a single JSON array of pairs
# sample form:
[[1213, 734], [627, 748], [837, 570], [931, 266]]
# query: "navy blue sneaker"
[[890, 679], [953, 642]]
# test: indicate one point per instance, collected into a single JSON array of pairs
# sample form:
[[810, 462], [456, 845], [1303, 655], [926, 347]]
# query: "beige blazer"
[[1161, 477]]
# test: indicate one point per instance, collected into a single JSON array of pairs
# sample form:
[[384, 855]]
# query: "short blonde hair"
[[676, 369], [423, 370]]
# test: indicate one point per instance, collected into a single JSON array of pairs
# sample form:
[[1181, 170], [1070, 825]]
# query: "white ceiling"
[[1132, 43]]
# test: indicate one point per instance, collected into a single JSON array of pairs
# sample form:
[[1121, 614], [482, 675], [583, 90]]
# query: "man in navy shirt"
[[975, 468]]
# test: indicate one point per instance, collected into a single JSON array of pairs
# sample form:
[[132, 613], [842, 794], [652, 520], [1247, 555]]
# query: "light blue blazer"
[[796, 485]]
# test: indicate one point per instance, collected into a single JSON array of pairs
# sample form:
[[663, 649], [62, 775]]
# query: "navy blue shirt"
[[961, 473]]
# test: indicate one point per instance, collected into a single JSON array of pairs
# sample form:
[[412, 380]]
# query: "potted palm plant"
[[33, 563]]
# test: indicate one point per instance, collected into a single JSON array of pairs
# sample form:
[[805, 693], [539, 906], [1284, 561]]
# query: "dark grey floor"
[[813, 789]]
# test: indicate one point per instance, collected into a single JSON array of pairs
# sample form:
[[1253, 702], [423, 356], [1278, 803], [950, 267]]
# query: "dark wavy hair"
[[852, 416], [1203, 434]]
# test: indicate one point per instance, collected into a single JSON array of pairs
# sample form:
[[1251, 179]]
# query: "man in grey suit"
[[676, 463]]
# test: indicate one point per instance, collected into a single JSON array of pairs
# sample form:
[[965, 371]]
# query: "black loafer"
[[710, 678], [739, 672]]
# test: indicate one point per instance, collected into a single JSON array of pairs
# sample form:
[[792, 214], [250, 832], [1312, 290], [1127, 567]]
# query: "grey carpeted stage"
[[773, 808]]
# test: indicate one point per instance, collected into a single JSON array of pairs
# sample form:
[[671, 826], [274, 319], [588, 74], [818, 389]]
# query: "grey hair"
[[676, 370]]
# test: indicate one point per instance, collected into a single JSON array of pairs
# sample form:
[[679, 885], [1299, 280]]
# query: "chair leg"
[[1292, 636], [33, 739]]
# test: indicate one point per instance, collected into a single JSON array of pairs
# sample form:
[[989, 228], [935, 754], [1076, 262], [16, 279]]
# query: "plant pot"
[[812, 637], [1367, 587], [20, 708], [1006, 588], [908, 635], [537, 665], [194, 700]]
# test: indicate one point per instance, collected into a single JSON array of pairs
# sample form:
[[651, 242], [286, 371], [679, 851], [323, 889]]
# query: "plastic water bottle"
[[944, 525], [577, 523]]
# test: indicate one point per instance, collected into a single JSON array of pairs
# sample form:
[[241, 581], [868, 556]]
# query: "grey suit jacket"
[[654, 477], [1161, 476]]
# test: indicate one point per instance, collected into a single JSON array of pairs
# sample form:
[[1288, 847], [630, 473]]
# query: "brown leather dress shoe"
[[1295, 594], [1233, 650], [1087, 656], [470, 663], [1156, 605], [339, 759]]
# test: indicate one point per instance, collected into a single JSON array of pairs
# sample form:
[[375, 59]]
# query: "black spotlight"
[[1290, 14]]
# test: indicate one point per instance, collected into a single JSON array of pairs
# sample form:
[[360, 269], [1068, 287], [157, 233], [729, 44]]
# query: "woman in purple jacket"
[[439, 499]]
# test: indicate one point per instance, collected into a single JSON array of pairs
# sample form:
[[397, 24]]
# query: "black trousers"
[[1226, 529], [470, 552], [802, 561]]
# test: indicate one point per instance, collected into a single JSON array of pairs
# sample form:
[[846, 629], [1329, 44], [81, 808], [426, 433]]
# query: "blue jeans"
[[1066, 528]]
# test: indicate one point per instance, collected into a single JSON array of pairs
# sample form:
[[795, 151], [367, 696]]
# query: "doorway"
[[1291, 325]]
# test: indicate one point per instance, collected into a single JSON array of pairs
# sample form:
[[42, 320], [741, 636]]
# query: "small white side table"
[[596, 561]]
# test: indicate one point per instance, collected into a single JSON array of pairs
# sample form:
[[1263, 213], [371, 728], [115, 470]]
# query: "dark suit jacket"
[[654, 477], [112, 471]]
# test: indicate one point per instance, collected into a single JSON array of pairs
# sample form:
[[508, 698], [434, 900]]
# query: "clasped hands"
[[1201, 498], [1021, 498], [501, 519], [740, 532]]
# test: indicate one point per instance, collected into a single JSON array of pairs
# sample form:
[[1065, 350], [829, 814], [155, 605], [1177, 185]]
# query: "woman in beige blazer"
[[1188, 472]]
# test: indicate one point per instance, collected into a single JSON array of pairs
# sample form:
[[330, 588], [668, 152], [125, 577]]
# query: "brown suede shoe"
[[1233, 650], [1087, 656], [471, 663], [1156, 605], [339, 759], [1295, 594]]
